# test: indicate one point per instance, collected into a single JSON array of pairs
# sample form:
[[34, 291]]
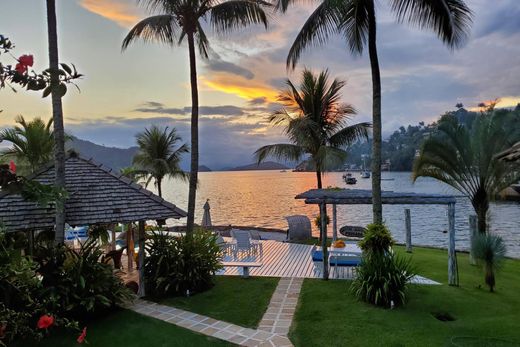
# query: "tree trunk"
[[57, 116], [377, 207], [482, 210], [159, 187], [194, 167], [318, 176]]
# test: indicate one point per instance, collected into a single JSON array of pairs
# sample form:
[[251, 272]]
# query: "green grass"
[[237, 300], [128, 329], [328, 315]]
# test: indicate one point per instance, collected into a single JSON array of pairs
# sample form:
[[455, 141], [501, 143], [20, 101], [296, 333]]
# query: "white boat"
[[365, 174]]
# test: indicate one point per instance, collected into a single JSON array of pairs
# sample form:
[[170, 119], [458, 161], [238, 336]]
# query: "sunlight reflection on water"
[[263, 198]]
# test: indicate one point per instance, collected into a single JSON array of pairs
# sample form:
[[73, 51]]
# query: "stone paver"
[[279, 315]]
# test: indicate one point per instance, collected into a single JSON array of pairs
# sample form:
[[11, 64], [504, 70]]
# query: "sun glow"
[[242, 88], [124, 13]]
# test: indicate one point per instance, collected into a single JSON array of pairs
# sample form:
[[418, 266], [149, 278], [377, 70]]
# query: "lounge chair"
[[299, 227], [244, 244], [115, 256]]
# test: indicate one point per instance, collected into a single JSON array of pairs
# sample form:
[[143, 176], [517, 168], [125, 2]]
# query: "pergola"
[[324, 197], [97, 195]]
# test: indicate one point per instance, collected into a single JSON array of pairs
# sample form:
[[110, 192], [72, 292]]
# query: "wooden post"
[[30, 236], [142, 238], [323, 232], [408, 227], [113, 236], [472, 234], [130, 246], [334, 223], [453, 278]]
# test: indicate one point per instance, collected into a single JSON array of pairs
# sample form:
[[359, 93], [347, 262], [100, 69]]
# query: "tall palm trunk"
[[194, 167], [159, 187], [377, 207], [318, 176], [481, 206], [57, 115]]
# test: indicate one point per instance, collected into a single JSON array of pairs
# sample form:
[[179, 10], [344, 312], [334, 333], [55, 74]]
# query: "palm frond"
[[449, 19], [281, 151], [235, 14], [354, 24], [160, 28], [349, 135]]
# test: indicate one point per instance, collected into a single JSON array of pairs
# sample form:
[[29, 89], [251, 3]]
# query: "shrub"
[[174, 265], [76, 282], [382, 280], [317, 221], [490, 251], [376, 240]]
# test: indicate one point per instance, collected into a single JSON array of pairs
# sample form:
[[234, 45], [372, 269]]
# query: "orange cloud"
[[503, 102], [124, 13], [245, 89]]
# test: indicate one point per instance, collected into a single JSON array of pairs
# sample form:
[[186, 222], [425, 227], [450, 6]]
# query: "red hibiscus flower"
[[3, 328], [20, 68], [45, 322], [81, 337], [26, 60]]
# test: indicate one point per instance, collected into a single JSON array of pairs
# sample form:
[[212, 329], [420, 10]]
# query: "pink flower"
[[27, 60], [45, 322], [82, 336], [20, 68]]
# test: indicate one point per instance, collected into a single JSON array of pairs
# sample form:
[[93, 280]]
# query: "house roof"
[[96, 195], [364, 196], [511, 154]]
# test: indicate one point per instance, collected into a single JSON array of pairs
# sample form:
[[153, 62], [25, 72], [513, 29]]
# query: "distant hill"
[[204, 168], [268, 165], [113, 157]]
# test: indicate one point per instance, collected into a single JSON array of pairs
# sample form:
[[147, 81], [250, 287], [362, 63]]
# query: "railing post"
[[142, 238], [408, 227], [334, 223], [324, 250], [453, 278], [472, 234]]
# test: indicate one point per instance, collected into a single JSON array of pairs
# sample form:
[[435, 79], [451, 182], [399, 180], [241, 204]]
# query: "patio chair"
[[244, 244], [115, 256], [299, 227]]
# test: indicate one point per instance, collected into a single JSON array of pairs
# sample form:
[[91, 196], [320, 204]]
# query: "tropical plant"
[[32, 143], [315, 122], [382, 280], [158, 156], [78, 284], [355, 20], [490, 251], [377, 239], [181, 265], [182, 20], [464, 158]]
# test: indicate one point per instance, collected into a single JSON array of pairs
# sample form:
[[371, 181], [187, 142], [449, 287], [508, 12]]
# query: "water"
[[263, 198]]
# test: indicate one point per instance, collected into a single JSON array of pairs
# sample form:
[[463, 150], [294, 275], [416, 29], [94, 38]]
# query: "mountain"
[[113, 157], [204, 168], [268, 165]]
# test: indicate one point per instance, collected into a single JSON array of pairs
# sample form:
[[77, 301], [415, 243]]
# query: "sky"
[[124, 92]]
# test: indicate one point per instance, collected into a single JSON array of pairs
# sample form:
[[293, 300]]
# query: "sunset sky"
[[122, 93]]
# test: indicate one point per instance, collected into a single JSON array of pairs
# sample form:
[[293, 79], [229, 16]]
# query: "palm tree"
[[315, 122], [356, 21], [159, 156], [464, 158], [183, 20], [57, 91], [32, 143]]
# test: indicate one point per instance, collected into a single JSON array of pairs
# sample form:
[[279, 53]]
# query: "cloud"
[[219, 65], [158, 108], [237, 86], [124, 13]]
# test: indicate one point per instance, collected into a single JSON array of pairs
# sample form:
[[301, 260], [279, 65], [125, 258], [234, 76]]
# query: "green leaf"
[[66, 68], [61, 90], [47, 92]]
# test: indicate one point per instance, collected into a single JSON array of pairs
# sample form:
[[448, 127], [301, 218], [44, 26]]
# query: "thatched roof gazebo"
[[335, 197], [511, 154], [96, 195]]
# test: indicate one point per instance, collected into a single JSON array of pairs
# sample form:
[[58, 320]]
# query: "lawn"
[[328, 315], [127, 328], [242, 301]]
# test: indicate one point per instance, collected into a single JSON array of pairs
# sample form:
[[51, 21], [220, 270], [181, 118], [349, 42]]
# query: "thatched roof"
[[96, 195], [363, 196], [511, 154]]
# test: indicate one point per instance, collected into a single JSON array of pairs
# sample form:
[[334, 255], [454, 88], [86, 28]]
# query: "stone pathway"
[[279, 315], [272, 331]]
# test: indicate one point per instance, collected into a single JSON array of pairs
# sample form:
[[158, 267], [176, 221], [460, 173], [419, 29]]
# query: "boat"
[[349, 179], [283, 170], [365, 174]]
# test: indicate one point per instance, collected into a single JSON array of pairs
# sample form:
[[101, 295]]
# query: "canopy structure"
[[96, 195], [511, 154], [336, 196]]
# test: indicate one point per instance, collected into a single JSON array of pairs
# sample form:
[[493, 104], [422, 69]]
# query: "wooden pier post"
[[142, 238], [472, 234], [323, 232], [334, 223], [408, 227], [453, 278]]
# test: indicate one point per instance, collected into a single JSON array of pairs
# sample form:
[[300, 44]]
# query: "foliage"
[[77, 283], [30, 80], [464, 157], [490, 251], [382, 279], [376, 240], [159, 156], [315, 122], [99, 232], [175, 265], [317, 221]]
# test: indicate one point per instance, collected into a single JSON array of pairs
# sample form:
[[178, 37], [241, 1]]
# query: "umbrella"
[[206, 218]]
